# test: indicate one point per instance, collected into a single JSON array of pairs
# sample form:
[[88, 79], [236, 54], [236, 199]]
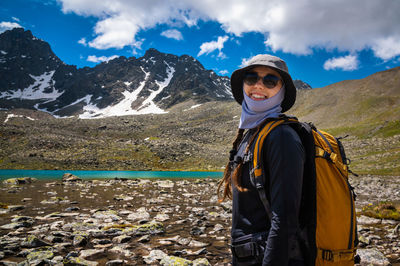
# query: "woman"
[[265, 90]]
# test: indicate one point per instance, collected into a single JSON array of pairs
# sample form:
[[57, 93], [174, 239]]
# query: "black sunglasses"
[[270, 81]]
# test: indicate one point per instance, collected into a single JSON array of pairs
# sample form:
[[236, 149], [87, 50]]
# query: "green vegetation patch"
[[383, 210]]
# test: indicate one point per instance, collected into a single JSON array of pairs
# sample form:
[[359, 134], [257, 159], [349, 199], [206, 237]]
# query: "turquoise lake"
[[85, 174]]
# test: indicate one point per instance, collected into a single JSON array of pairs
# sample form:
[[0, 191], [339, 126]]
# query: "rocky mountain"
[[34, 77], [301, 85]]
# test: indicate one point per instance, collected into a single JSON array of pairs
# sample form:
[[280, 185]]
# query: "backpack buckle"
[[327, 255]]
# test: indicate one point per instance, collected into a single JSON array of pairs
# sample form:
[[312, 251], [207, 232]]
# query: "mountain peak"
[[152, 52]]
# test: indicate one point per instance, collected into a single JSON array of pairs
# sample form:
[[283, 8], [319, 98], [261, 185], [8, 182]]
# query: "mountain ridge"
[[38, 79]]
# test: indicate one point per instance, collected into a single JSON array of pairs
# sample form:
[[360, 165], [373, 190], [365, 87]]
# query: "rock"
[[19, 181], [18, 219], [122, 249], [196, 231], [91, 254], [67, 177], [197, 244], [364, 220], [122, 198], [195, 253], [115, 262], [162, 217], [8, 263], [76, 261], [201, 262], [53, 239], [40, 255], [154, 257], [33, 241], [121, 239], [172, 260], [396, 230], [80, 239], [140, 214], [14, 208], [13, 226], [165, 183], [144, 239], [151, 228], [72, 209], [109, 214], [372, 257]]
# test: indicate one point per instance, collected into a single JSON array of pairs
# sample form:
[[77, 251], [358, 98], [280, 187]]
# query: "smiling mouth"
[[258, 97]]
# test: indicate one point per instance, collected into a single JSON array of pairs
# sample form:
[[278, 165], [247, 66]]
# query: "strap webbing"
[[336, 255], [256, 173]]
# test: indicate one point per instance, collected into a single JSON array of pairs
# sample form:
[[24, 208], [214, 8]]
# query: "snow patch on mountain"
[[36, 91], [124, 107]]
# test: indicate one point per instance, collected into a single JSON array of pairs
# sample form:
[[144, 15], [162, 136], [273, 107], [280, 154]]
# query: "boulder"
[[67, 177]]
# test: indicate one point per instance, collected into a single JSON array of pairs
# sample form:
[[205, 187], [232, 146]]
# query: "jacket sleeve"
[[284, 157]]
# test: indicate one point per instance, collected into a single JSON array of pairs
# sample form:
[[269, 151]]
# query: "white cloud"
[[173, 34], [290, 26], [245, 62], [209, 47], [387, 48], [223, 72], [8, 26], [83, 41], [98, 59], [346, 63], [15, 19]]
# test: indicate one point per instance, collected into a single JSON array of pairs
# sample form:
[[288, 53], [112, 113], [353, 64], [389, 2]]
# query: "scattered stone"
[[14, 208], [201, 262], [115, 262], [197, 244], [40, 255], [162, 217], [33, 241], [372, 257], [80, 239], [154, 256], [19, 181], [13, 226], [76, 261], [121, 239], [364, 220], [172, 260], [144, 239], [72, 209], [122, 249], [140, 214], [67, 177], [91, 254]]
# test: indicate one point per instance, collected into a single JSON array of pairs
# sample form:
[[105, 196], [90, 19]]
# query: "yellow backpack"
[[327, 213]]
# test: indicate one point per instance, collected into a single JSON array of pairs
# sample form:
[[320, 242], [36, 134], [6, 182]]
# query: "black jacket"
[[283, 159]]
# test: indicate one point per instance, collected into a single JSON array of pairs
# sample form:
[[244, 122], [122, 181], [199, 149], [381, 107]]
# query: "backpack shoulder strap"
[[256, 173]]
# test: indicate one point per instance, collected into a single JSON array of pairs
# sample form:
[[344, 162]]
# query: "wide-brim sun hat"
[[270, 61]]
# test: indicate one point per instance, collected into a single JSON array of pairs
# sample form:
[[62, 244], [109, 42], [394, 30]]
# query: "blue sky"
[[323, 42]]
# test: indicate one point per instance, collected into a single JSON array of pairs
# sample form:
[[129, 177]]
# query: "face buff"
[[255, 112]]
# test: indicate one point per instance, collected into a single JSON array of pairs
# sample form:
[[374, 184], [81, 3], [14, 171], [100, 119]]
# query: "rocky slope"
[[34, 77]]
